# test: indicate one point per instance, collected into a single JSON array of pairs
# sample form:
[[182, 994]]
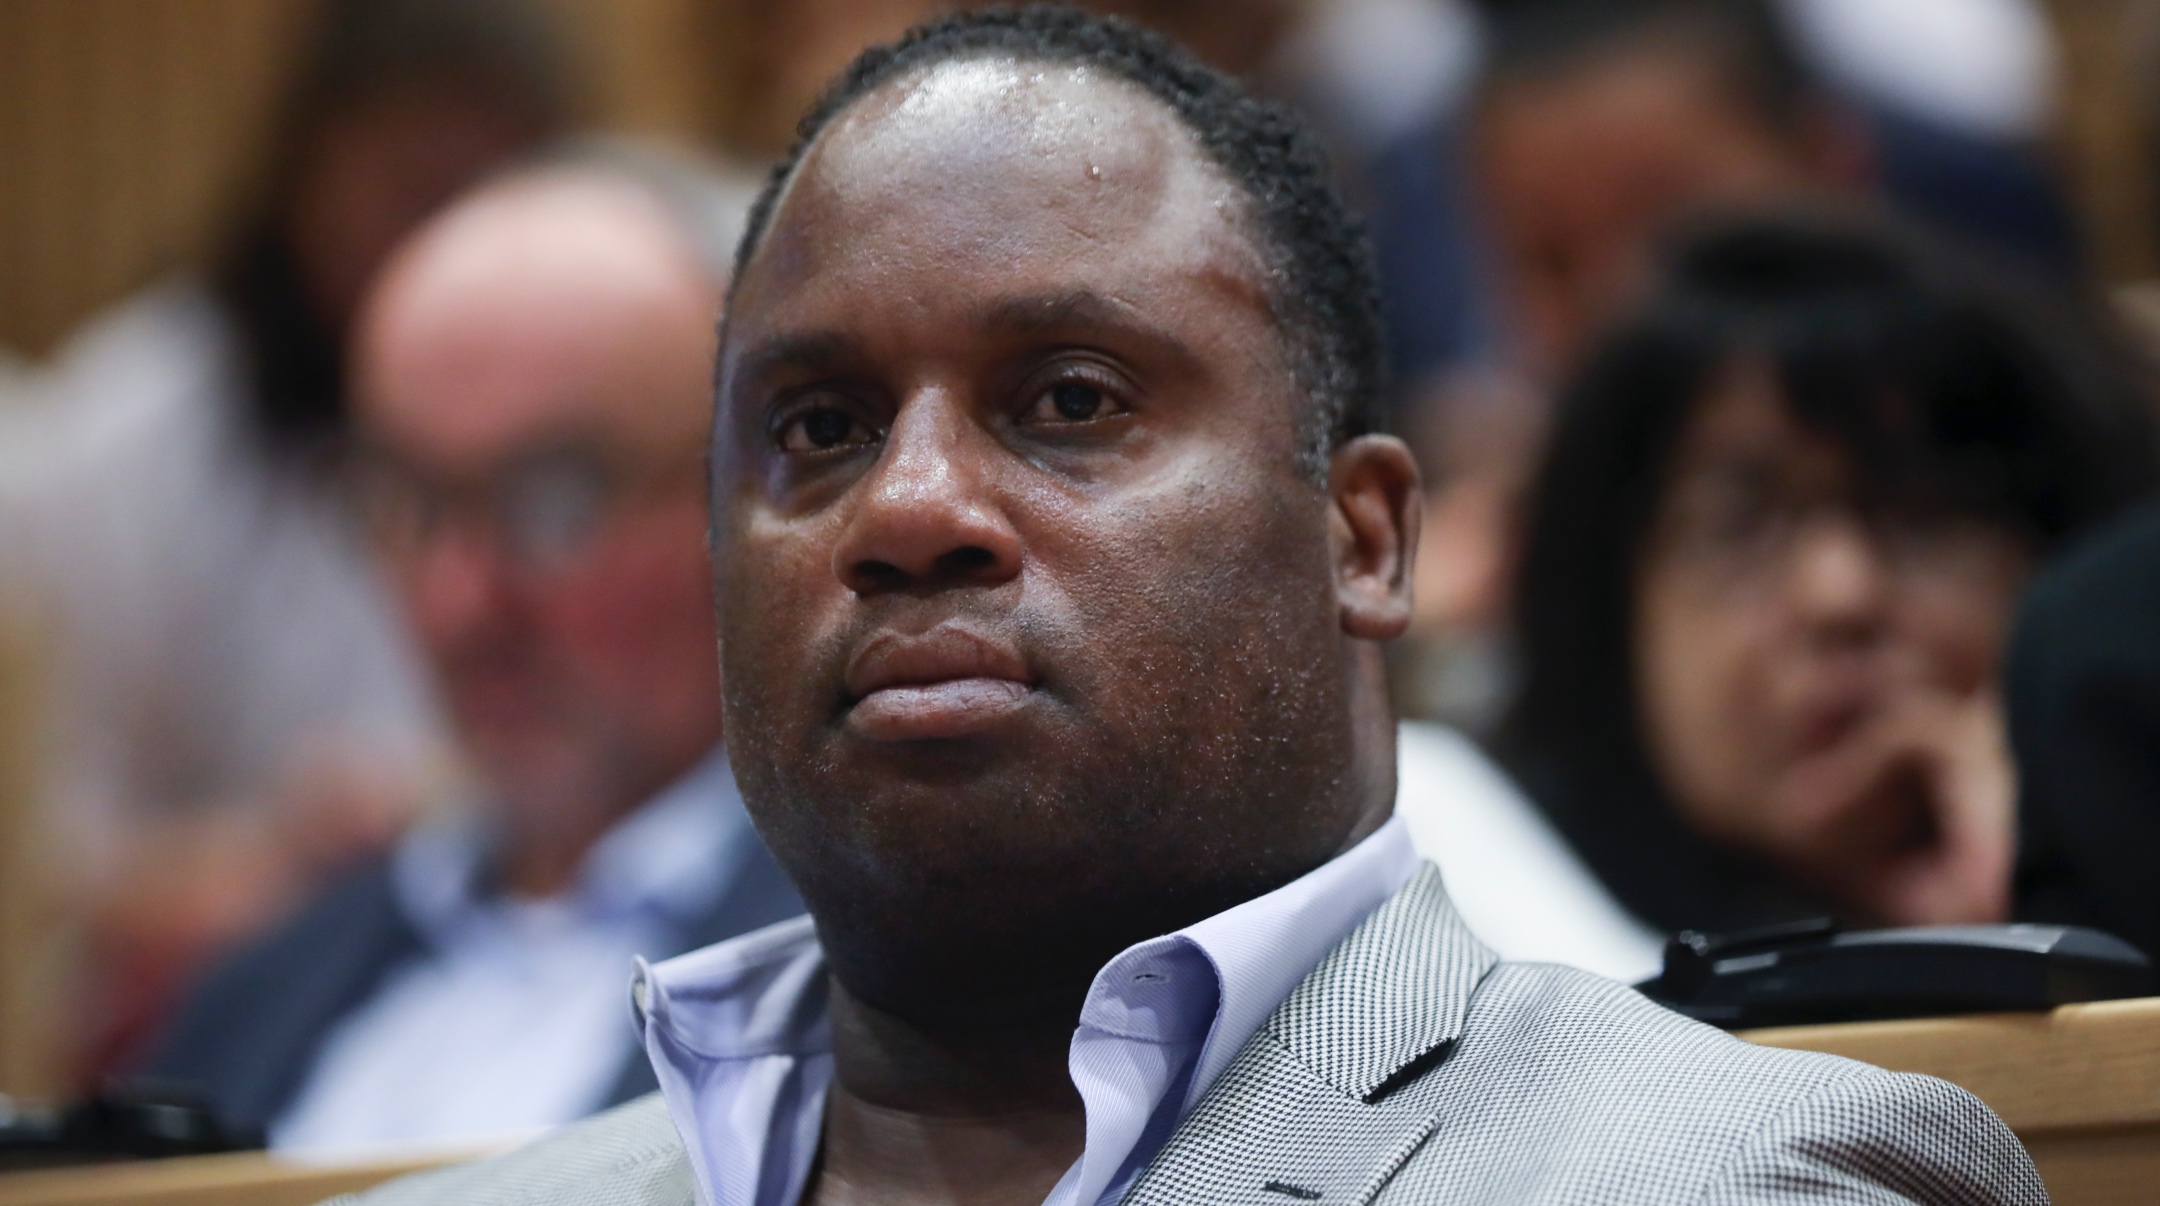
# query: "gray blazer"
[[1413, 1067]]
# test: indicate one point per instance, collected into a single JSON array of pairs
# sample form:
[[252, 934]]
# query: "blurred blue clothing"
[[418, 1005], [1435, 299], [1990, 193]]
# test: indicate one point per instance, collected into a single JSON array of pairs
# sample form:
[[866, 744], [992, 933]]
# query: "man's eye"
[[1076, 402], [1072, 402], [822, 428]]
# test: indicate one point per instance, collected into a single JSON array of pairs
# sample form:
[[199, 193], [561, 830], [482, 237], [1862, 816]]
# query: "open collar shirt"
[[739, 1035]]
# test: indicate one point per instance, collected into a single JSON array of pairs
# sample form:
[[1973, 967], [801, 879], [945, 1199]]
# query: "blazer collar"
[[1392, 993], [1329, 1099]]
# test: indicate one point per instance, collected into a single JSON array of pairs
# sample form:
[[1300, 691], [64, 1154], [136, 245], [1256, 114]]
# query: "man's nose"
[[455, 585], [926, 516], [1840, 580]]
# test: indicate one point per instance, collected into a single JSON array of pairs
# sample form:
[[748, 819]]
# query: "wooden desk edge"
[[2076, 1068], [240, 1174]]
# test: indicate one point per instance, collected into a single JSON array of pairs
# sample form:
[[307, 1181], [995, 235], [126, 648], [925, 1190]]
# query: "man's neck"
[[540, 855], [959, 1117], [549, 823], [966, 1097]]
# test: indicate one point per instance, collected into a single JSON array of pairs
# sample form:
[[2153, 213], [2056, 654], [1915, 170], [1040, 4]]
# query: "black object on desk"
[[116, 1125], [1818, 972]]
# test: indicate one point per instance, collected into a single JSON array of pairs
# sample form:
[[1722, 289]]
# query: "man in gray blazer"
[[1055, 546]]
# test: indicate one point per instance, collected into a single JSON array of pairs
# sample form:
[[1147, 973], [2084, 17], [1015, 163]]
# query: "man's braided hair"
[[1321, 287]]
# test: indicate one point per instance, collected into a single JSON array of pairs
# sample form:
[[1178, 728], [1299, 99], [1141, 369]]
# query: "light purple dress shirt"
[[738, 1032]]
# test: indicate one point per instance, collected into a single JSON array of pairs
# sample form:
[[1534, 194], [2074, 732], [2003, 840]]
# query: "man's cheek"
[[774, 605]]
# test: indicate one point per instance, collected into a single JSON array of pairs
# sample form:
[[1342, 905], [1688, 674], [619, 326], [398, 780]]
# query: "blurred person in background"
[[238, 716], [1958, 100], [1597, 124], [2084, 702], [2083, 683], [1600, 122], [532, 405], [1771, 558], [1593, 124], [1951, 102]]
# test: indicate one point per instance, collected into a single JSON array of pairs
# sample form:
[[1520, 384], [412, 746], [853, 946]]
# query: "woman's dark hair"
[[1943, 384], [359, 50]]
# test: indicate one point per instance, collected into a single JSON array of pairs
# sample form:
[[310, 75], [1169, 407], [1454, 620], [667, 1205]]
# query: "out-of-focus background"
[[127, 125], [167, 790]]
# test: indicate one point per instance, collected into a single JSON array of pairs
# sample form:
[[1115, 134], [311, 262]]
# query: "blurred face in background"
[[534, 379], [1581, 166], [1816, 666]]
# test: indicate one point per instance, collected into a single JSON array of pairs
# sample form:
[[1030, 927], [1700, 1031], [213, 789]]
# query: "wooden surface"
[[2080, 1085], [240, 1179], [2104, 136], [129, 128], [39, 951]]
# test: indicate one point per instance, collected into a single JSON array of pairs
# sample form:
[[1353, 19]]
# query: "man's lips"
[[947, 682]]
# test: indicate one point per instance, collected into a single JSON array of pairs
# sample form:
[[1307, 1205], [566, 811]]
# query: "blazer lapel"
[[1331, 1096]]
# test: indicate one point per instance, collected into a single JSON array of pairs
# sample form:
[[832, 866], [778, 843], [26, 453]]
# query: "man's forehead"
[[557, 301], [1007, 162], [1004, 113]]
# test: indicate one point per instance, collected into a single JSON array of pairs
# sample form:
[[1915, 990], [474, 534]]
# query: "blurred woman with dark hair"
[[1784, 516], [399, 105], [236, 711]]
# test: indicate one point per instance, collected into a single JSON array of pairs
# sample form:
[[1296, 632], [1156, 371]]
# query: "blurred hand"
[[1913, 822]]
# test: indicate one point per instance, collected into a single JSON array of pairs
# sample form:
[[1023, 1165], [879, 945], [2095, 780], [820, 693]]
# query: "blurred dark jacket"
[[253, 1032], [2084, 710]]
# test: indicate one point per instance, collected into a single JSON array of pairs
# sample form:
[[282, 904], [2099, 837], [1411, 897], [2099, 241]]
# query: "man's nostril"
[[967, 560], [952, 567], [878, 575]]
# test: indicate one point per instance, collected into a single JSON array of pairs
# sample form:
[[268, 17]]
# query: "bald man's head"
[[525, 298], [532, 398]]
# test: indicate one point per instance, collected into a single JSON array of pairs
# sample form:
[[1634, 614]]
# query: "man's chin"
[[532, 763]]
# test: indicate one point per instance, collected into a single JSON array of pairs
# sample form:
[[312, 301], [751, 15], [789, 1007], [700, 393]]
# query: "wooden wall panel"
[[39, 954], [126, 126], [2103, 131], [122, 126]]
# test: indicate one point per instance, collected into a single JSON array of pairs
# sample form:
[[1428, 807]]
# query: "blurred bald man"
[[532, 399]]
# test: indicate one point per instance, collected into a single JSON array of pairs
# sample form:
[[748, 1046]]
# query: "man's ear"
[[1373, 514]]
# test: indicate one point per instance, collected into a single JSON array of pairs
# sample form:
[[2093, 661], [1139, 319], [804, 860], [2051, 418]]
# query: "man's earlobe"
[[1375, 504]]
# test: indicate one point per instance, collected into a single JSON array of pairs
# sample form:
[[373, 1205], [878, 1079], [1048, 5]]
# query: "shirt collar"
[[1198, 995], [720, 1002], [666, 858], [1262, 948], [763, 995]]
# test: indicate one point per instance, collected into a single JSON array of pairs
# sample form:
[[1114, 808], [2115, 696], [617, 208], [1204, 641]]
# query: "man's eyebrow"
[[815, 350], [1028, 315], [1079, 311]]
